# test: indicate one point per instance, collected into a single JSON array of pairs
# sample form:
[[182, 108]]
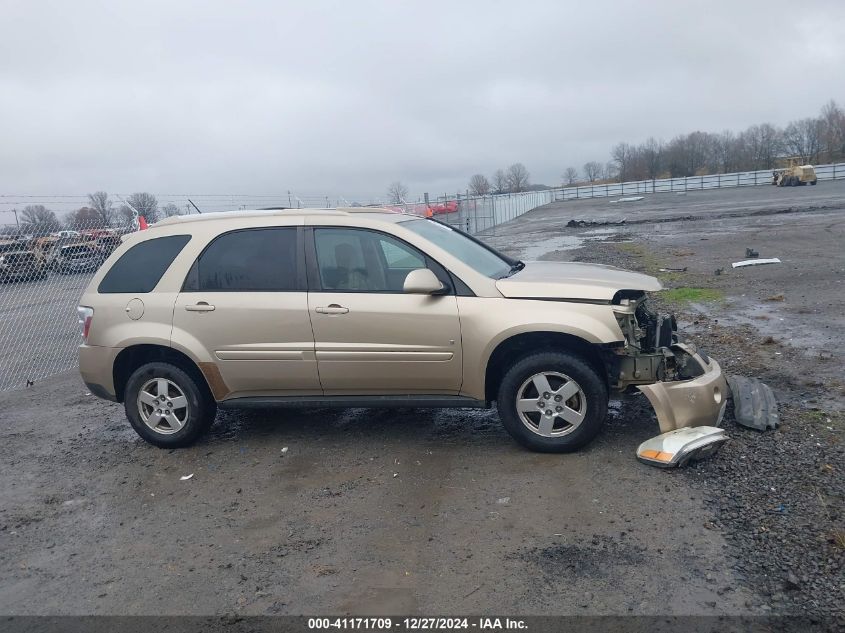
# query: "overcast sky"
[[344, 97]]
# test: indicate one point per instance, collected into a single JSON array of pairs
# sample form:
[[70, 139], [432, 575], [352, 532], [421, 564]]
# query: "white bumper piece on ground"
[[677, 447]]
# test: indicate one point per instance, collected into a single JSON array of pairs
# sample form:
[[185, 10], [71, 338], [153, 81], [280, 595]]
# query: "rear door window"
[[249, 260], [141, 267]]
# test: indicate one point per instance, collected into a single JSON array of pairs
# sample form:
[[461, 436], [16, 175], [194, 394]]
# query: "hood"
[[569, 280]]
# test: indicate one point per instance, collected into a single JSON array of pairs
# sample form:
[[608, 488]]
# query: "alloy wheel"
[[163, 406], [551, 404]]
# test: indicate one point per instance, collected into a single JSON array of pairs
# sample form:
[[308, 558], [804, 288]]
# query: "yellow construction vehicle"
[[794, 174]]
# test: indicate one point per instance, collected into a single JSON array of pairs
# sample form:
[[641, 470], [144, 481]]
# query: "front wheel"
[[552, 402], [166, 406]]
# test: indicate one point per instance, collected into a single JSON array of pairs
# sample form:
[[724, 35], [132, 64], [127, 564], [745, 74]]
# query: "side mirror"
[[422, 282]]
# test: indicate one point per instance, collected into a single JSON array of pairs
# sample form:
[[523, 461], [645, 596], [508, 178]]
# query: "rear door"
[[244, 302], [372, 338]]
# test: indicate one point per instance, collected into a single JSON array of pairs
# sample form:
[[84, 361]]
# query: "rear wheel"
[[552, 402], [813, 182], [166, 406]]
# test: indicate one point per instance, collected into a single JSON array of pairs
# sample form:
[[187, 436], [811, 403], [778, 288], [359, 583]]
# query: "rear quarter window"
[[141, 267]]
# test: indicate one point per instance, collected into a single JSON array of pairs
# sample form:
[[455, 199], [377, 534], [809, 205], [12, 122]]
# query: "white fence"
[[476, 214], [833, 171]]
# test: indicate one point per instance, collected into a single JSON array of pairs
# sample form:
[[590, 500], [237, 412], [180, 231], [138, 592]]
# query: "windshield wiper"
[[515, 267]]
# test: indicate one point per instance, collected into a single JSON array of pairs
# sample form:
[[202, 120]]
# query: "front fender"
[[486, 323]]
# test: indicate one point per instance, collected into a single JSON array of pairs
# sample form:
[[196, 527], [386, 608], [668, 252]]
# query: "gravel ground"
[[780, 493]]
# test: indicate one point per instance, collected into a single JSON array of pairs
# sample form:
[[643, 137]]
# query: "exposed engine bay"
[[652, 351]]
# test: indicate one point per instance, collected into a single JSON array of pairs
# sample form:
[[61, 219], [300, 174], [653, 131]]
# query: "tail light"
[[86, 315]]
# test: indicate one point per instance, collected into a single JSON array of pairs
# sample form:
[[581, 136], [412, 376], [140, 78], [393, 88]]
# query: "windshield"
[[481, 258]]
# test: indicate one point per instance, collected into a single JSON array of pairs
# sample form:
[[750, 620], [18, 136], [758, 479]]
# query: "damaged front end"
[[685, 387]]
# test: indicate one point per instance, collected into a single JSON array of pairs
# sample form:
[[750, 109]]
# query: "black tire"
[[813, 182], [579, 370], [199, 415]]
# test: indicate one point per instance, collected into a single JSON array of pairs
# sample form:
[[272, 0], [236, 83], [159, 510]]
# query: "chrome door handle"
[[201, 306], [332, 309]]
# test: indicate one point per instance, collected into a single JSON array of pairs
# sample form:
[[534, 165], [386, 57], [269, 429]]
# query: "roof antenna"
[[195, 206], [136, 217]]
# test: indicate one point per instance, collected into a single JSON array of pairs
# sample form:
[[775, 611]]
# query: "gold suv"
[[369, 308]]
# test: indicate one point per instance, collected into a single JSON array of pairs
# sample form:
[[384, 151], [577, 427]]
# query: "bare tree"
[[397, 192], [652, 157], [500, 182], [812, 140], [169, 210], [622, 155], [144, 203], [84, 218], [39, 219], [803, 139], [570, 176], [833, 132], [592, 170], [759, 146], [517, 177], [102, 206], [479, 185], [725, 157]]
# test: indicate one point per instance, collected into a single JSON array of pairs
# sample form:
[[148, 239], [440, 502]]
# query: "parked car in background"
[[442, 208], [66, 234], [75, 256], [107, 244], [18, 262]]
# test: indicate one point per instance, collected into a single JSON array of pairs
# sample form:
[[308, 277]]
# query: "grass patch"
[[642, 259], [690, 295], [631, 248], [671, 278]]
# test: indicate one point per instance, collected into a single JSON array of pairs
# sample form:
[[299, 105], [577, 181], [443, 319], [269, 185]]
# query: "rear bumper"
[[699, 401], [96, 367]]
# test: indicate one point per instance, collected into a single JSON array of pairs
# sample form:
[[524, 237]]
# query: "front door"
[[244, 303], [371, 338]]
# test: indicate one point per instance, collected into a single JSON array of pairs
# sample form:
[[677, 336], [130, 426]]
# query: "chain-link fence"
[[50, 247], [41, 279]]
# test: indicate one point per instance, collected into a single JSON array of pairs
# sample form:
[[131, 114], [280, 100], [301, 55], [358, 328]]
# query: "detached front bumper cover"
[[699, 401]]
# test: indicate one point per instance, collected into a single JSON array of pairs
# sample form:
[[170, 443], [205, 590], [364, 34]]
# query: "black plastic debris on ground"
[[754, 403]]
